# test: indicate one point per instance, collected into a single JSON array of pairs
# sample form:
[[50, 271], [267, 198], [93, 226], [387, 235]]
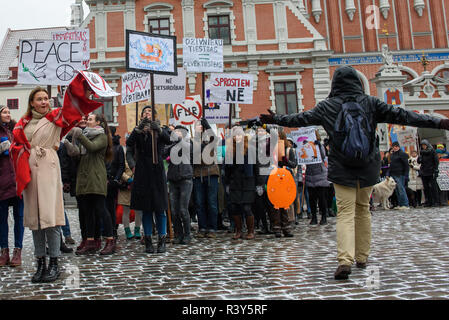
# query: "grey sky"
[[28, 14]]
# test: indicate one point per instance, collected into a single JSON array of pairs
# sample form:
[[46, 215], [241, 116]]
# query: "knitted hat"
[[147, 107], [395, 144], [440, 146]]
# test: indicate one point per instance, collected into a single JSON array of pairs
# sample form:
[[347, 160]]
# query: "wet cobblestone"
[[409, 253]]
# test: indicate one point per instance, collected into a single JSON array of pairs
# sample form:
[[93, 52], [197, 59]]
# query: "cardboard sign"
[[49, 62], [146, 52], [188, 112], [136, 87], [76, 35], [98, 84], [203, 55], [443, 175], [306, 150], [231, 88], [170, 89]]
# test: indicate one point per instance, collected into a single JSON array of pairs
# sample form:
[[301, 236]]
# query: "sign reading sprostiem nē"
[[231, 88]]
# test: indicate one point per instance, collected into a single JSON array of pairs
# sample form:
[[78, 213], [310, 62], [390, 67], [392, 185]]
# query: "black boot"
[[323, 219], [64, 248], [148, 245], [53, 271], [41, 269], [314, 220], [161, 244]]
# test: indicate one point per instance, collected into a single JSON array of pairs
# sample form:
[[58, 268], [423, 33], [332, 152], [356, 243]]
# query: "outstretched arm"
[[304, 119]]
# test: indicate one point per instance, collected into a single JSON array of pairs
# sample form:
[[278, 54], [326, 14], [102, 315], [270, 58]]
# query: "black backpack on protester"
[[354, 138]]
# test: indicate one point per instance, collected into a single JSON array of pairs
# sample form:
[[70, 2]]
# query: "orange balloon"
[[281, 188]]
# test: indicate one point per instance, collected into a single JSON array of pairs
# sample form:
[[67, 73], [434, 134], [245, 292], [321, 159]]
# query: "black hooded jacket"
[[429, 161], [346, 83]]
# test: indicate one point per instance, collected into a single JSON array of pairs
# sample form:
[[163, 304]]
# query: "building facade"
[[292, 47]]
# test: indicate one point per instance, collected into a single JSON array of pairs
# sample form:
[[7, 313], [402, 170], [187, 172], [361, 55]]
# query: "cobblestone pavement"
[[409, 260]]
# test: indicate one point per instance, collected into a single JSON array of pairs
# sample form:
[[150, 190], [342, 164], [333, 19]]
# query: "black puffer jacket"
[[399, 164], [428, 160], [346, 83]]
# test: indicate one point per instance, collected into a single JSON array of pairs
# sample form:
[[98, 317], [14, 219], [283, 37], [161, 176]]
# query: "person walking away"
[[353, 173], [317, 184], [415, 183], [399, 171], [149, 189], [91, 182], [180, 178], [429, 173], [8, 194]]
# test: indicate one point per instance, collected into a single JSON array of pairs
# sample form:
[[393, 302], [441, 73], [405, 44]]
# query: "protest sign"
[[202, 55], [307, 151], [170, 89], [98, 85], [135, 87], [146, 52], [49, 62], [217, 113], [188, 112], [231, 88], [443, 175], [76, 35], [407, 136]]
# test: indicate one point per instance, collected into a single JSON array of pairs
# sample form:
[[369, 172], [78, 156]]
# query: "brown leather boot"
[[250, 226], [97, 244], [238, 227], [109, 247], [4, 258], [90, 247], [16, 260]]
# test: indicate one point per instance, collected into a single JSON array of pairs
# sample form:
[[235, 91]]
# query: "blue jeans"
[[161, 223], [400, 190], [66, 229], [206, 194], [17, 205]]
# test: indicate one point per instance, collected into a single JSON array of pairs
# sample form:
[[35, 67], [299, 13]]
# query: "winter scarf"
[[90, 133]]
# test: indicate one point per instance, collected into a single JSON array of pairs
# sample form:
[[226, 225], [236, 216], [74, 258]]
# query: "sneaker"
[[69, 240], [403, 208], [201, 234]]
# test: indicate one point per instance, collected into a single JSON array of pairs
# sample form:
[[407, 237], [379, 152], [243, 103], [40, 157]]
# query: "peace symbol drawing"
[[65, 72]]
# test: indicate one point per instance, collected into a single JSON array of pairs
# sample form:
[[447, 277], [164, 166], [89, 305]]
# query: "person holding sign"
[[37, 136], [149, 191]]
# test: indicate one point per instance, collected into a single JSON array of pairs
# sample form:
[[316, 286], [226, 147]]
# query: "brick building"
[[291, 46]]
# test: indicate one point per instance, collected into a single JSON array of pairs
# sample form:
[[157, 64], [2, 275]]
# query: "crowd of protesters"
[[161, 193]]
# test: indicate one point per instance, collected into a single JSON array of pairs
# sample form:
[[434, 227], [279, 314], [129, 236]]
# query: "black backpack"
[[353, 134]]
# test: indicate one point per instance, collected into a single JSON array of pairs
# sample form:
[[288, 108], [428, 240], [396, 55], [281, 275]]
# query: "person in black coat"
[[149, 190], [179, 155], [353, 184], [114, 172], [429, 172], [240, 177], [399, 172]]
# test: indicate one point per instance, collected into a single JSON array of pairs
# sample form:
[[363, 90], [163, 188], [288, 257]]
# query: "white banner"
[[49, 62], [407, 137], [306, 150], [217, 113], [231, 88], [136, 87], [76, 35], [98, 84], [202, 55], [170, 89]]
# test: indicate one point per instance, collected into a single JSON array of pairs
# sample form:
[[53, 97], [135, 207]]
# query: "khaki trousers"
[[353, 224]]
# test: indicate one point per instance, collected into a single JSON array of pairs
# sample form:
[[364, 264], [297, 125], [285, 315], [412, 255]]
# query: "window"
[[160, 26], [13, 104], [286, 97], [220, 28], [107, 110]]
